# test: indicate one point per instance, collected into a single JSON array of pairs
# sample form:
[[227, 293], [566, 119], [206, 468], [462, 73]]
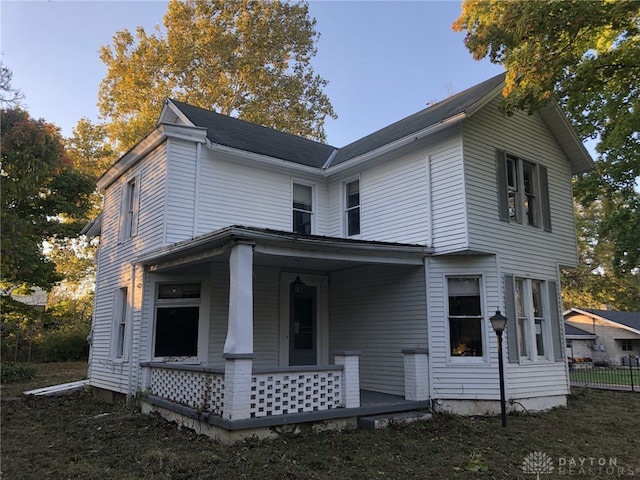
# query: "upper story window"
[[532, 324], [352, 208], [465, 317], [302, 208], [129, 214], [523, 192]]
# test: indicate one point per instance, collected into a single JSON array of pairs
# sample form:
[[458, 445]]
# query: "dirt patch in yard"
[[75, 436]]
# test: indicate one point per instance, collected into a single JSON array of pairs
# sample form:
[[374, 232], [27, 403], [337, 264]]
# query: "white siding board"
[[378, 311]]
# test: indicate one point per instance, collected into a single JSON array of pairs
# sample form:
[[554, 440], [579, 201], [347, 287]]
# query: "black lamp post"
[[498, 322]]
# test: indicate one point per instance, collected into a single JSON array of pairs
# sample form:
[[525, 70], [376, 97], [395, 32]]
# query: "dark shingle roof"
[[630, 319], [575, 331], [432, 115], [236, 133]]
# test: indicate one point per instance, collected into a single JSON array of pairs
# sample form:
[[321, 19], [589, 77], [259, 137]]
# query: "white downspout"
[[429, 239], [197, 189]]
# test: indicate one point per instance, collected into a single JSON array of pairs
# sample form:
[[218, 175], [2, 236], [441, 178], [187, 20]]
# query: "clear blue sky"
[[383, 60]]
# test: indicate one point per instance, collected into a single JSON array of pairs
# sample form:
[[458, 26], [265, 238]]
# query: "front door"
[[303, 338]]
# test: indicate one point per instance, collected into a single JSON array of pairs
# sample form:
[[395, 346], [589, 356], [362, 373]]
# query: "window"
[[465, 317], [177, 320], [352, 210], [532, 325], [627, 345], [120, 324], [302, 208], [523, 192], [129, 210]]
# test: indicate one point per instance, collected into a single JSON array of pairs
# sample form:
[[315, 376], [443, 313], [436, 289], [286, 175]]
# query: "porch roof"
[[323, 250]]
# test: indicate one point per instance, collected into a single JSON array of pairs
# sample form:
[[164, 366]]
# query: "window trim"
[[346, 209], [314, 203], [510, 169], [202, 339], [129, 208], [456, 359], [120, 325], [530, 335]]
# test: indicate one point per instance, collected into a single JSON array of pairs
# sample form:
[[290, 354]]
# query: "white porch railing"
[[295, 391], [193, 386], [277, 391]]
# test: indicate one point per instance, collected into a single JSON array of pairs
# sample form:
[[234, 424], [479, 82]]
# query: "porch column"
[[416, 374], [240, 324], [238, 347], [350, 360]]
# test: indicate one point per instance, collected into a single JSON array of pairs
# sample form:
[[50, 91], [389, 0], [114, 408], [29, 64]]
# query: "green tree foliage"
[[241, 57], [42, 196], [585, 54], [89, 148]]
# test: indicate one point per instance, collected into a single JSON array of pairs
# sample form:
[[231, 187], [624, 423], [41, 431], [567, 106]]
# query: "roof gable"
[[628, 319], [250, 137]]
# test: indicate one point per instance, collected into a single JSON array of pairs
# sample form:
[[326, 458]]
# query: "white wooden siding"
[[115, 265], [378, 311], [462, 378], [527, 137], [238, 194], [393, 200], [181, 190], [448, 201]]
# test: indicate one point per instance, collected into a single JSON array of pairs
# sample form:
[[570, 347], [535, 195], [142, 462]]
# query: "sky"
[[384, 60]]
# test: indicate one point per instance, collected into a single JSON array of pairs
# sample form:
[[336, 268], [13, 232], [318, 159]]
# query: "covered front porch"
[[350, 342]]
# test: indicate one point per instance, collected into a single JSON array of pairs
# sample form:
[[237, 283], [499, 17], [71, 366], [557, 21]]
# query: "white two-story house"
[[249, 278]]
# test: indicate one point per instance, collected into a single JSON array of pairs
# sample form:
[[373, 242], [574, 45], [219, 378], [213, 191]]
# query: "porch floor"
[[371, 403]]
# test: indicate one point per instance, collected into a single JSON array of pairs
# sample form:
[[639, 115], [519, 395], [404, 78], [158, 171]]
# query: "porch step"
[[377, 422]]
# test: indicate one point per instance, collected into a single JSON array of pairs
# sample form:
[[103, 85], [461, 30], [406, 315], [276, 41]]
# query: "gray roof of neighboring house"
[[236, 133], [570, 330], [629, 319]]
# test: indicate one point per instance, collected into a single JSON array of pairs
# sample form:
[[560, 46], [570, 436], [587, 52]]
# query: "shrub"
[[65, 344], [16, 372]]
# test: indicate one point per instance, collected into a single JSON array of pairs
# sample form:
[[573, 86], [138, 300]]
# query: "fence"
[[622, 376]]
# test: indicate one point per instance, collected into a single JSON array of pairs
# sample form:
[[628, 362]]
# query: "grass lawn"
[[620, 376], [77, 437]]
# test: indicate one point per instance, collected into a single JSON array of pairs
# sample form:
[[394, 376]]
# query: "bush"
[[16, 372], [65, 344]]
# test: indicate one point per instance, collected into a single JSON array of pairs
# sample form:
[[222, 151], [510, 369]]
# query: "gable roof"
[[437, 113], [242, 135], [625, 319], [236, 133], [571, 331]]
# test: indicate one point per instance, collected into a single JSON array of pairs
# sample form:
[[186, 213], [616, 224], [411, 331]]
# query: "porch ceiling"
[[283, 249]]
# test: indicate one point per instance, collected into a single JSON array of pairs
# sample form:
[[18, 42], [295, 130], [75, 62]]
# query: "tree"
[[42, 197], [8, 96], [585, 55], [241, 57], [89, 148]]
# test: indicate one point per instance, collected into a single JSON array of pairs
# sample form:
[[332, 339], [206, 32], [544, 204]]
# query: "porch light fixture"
[[298, 285], [498, 322]]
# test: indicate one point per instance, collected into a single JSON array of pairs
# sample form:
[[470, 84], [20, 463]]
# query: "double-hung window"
[[121, 309], [532, 324], [129, 211], [465, 316], [177, 320], [523, 193], [352, 208], [302, 208]]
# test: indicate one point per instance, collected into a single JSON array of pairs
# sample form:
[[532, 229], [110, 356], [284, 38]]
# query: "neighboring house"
[[616, 335], [579, 343], [249, 278], [36, 299]]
